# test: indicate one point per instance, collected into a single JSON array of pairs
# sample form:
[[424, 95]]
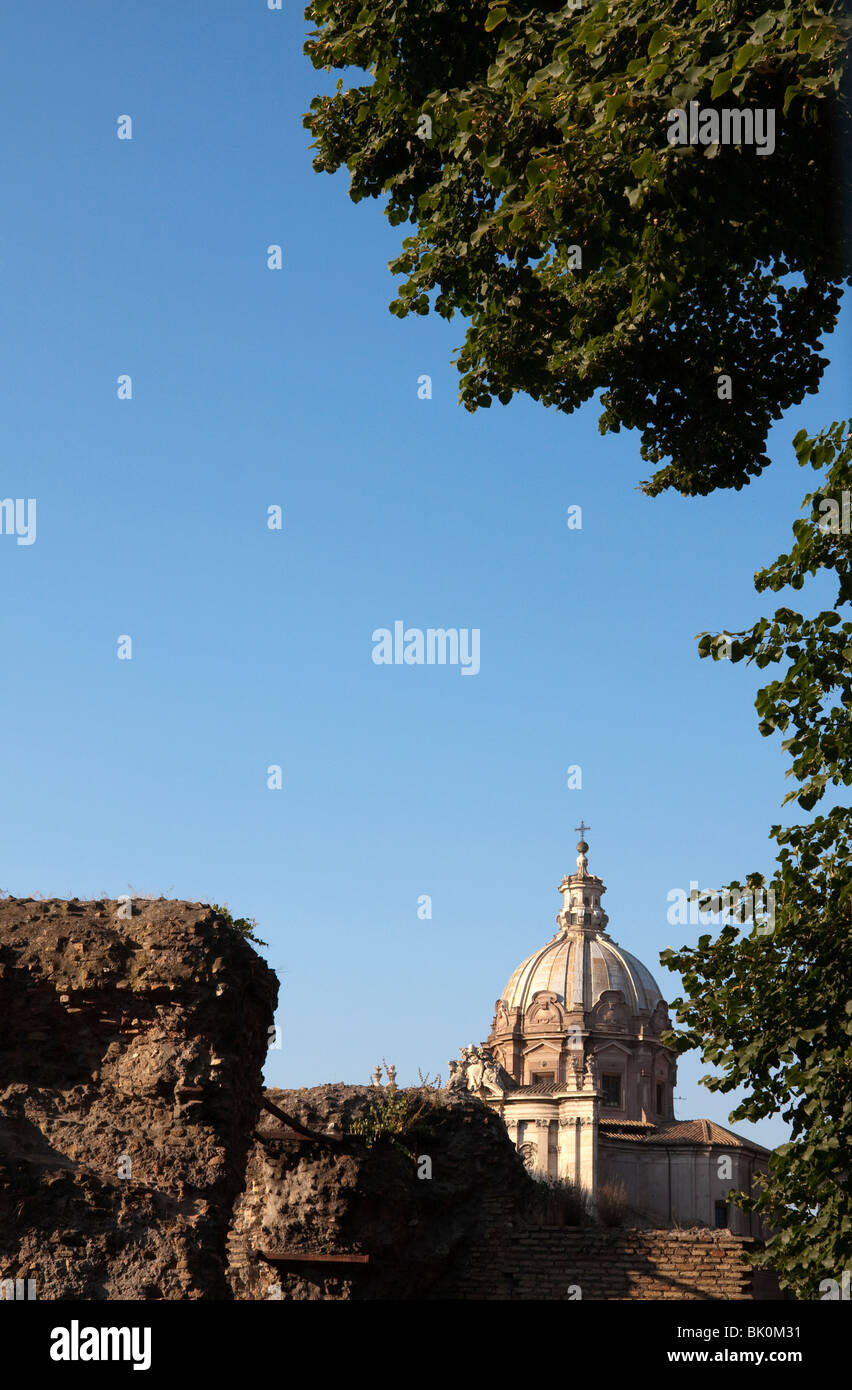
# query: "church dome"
[[584, 1018], [581, 962], [578, 966]]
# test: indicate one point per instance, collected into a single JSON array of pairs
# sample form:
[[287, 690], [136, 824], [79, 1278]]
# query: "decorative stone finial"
[[377, 1077]]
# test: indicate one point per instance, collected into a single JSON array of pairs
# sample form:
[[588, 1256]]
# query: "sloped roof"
[[677, 1132]]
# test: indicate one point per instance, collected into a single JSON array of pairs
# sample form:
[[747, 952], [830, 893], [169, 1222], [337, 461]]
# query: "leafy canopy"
[[773, 1010], [549, 134]]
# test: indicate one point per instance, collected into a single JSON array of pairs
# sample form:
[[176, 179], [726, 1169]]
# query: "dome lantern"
[[581, 894]]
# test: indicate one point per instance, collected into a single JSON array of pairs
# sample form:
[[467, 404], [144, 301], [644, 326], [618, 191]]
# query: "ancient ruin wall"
[[131, 1049], [413, 1221], [476, 1228]]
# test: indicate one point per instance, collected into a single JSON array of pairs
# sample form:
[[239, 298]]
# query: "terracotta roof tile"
[[677, 1132]]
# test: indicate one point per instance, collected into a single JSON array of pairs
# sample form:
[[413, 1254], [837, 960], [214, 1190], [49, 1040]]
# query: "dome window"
[[611, 1086]]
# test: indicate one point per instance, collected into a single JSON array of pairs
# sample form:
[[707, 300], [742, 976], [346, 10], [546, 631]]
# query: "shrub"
[[611, 1202], [397, 1113], [558, 1202], [246, 926]]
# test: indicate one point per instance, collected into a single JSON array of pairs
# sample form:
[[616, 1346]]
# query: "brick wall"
[[529, 1262]]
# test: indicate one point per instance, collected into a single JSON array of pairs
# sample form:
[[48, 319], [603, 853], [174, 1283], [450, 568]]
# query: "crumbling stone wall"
[[475, 1229], [306, 1198], [131, 1050]]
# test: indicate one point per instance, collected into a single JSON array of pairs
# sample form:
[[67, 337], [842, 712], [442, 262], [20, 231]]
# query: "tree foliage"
[[773, 1009], [548, 134]]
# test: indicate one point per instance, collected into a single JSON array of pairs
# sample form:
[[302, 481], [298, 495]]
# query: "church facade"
[[575, 1066]]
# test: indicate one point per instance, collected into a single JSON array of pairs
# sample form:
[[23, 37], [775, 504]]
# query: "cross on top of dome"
[[582, 861]]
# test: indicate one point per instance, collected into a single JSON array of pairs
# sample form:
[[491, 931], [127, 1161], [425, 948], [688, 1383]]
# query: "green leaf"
[[645, 162], [743, 56], [614, 104], [762, 25], [495, 17], [793, 91], [721, 84]]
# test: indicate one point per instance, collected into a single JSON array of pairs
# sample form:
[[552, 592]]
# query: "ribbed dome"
[[578, 965], [581, 962]]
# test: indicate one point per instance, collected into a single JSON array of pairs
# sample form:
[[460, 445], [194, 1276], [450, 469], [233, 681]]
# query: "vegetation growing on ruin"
[[399, 1114], [246, 926]]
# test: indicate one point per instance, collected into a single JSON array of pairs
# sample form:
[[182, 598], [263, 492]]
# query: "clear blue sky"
[[250, 647]]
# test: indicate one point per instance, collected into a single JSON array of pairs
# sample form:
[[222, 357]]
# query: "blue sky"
[[297, 388]]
